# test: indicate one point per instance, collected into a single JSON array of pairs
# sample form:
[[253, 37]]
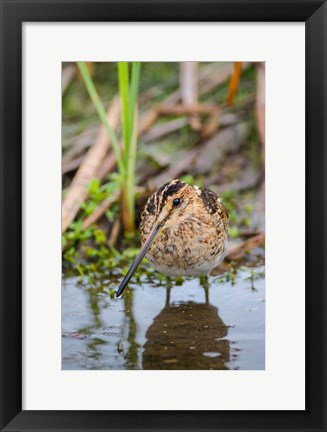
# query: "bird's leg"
[[204, 282], [168, 288]]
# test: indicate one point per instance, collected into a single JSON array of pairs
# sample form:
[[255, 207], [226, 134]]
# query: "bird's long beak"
[[138, 259]]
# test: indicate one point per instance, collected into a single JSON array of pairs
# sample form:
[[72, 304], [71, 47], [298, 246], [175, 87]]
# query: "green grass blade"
[[135, 80], [102, 113], [125, 105]]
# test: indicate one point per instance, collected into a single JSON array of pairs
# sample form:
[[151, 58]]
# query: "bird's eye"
[[176, 202]]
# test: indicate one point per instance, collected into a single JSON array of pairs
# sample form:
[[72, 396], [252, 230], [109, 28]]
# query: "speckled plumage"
[[193, 238]]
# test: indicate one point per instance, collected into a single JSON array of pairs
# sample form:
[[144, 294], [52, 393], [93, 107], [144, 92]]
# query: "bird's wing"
[[212, 203]]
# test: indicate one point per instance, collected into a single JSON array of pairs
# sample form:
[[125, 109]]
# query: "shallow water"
[[191, 326]]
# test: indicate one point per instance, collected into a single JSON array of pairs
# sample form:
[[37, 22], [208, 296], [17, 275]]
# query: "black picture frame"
[[13, 14]]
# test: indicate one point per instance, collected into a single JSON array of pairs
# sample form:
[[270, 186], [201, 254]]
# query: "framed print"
[[163, 215]]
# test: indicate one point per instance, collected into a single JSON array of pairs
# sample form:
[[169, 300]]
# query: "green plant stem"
[[125, 105], [128, 97], [135, 80]]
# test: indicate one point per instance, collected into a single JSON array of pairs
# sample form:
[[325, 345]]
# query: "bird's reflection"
[[187, 336]]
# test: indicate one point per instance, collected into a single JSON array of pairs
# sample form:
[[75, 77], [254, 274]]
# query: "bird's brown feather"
[[193, 239]]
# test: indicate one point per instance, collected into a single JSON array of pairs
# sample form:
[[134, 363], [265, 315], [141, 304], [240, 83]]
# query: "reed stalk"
[[126, 160]]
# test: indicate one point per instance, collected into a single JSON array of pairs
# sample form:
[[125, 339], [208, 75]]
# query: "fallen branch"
[[260, 111], [72, 165], [114, 233], [174, 171], [180, 109], [260, 102], [189, 89], [78, 189], [248, 233], [212, 123], [236, 252], [146, 121], [78, 145], [242, 185], [107, 166], [100, 210], [200, 158], [163, 129]]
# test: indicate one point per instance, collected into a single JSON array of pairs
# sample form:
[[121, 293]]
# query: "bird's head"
[[170, 205]]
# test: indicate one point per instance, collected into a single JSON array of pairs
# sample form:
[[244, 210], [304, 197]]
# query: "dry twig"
[[181, 109], [78, 190], [114, 233], [233, 85], [72, 165], [100, 210], [200, 158], [189, 89], [212, 123], [164, 129], [260, 110], [236, 252]]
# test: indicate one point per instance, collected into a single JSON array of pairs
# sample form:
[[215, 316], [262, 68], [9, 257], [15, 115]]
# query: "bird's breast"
[[186, 249]]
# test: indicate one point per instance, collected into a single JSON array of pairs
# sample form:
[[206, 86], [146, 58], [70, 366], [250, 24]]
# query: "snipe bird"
[[183, 231]]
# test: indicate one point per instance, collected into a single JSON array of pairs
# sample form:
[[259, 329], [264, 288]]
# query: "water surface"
[[214, 325]]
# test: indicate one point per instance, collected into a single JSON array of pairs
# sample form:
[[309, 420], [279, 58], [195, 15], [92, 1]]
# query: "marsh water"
[[193, 324]]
